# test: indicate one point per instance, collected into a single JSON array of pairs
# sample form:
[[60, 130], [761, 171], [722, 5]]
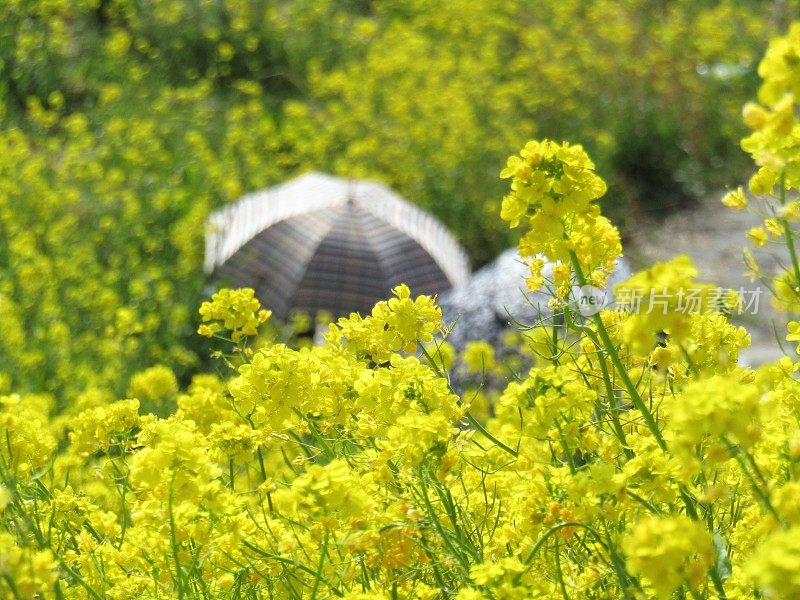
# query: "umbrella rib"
[[385, 283], [231, 227], [420, 226], [329, 224]]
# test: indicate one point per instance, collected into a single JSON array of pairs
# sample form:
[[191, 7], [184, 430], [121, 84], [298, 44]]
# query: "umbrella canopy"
[[320, 242]]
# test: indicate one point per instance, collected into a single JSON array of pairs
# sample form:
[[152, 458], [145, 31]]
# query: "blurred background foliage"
[[124, 123]]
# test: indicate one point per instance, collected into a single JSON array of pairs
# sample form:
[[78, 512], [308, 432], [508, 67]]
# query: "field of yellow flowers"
[[635, 459]]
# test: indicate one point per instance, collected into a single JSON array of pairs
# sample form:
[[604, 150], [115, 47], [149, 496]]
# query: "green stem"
[[558, 573], [613, 408], [318, 576], [565, 449], [477, 425], [289, 562], [174, 539], [608, 345], [787, 230], [762, 495], [717, 580], [472, 420], [439, 528]]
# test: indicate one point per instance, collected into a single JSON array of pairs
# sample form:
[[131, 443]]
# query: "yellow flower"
[[413, 320], [28, 444], [239, 312], [775, 564], [561, 279], [5, 498], [555, 187], [668, 552], [442, 353], [33, 572], [774, 227], [794, 331], [790, 211], [662, 299], [735, 199], [486, 572], [716, 408], [758, 236], [754, 115], [534, 281], [156, 384], [478, 357], [101, 427], [763, 182], [786, 292], [416, 437], [754, 269]]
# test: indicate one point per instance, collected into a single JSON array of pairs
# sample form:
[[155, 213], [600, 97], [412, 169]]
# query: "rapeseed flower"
[[668, 552]]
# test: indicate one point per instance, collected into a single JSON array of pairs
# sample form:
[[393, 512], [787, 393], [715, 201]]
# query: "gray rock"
[[496, 298]]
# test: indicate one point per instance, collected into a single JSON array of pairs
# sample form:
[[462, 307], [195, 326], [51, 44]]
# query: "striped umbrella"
[[320, 242]]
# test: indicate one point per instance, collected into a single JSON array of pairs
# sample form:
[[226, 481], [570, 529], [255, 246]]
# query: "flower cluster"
[[663, 309], [399, 323], [774, 146], [669, 552], [553, 190], [236, 311]]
